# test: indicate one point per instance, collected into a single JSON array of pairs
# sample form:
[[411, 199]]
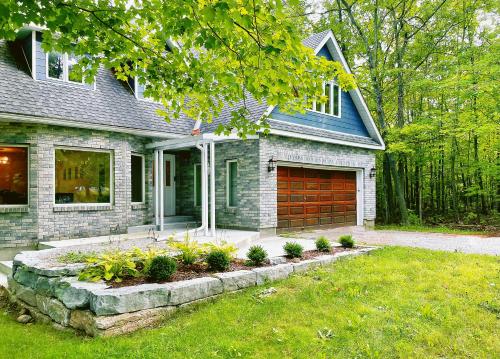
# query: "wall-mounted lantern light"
[[271, 165], [373, 172]]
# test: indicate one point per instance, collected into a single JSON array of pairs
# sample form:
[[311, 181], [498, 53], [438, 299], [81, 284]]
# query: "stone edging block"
[[277, 272], [232, 281]]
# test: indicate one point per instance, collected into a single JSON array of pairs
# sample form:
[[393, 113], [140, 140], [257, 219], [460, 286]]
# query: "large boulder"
[[54, 309], [76, 294], [25, 294], [26, 277], [232, 281], [193, 289]]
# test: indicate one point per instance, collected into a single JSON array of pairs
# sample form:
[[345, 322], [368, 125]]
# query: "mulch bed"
[[198, 270]]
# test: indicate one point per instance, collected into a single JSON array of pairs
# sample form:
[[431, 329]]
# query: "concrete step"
[[178, 219], [6, 267], [183, 225]]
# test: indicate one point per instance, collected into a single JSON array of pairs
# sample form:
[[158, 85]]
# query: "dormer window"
[[332, 105], [61, 67]]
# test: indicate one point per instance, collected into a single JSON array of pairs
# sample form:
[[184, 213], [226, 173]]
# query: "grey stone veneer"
[[42, 220]]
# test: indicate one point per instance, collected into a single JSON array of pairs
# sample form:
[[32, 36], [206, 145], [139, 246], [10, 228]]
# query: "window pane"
[[336, 100], [13, 175], [232, 190], [137, 180], [92, 186], [197, 184], [73, 74], [329, 99], [56, 65]]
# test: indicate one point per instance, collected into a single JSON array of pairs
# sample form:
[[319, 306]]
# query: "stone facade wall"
[[184, 183], [292, 150], [43, 220]]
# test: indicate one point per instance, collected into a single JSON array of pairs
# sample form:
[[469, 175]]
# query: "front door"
[[169, 184]]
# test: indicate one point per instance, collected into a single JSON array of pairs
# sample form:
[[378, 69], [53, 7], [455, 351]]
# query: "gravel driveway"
[[436, 241]]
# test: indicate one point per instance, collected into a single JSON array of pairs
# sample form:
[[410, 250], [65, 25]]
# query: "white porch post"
[[205, 207], [160, 186], [212, 188], [156, 196], [203, 187]]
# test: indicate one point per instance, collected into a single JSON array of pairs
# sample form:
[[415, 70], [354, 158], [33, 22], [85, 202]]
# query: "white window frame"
[[65, 69], [111, 177], [323, 109], [143, 179], [195, 192], [227, 180], [28, 176]]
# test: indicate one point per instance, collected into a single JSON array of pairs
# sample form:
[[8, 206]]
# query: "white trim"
[[143, 174], [156, 188], [33, 55], [111, 177], [161, 168], [194, 185], [28, 164], [4, 117], [227, 181], [212, 188], [324, 139]]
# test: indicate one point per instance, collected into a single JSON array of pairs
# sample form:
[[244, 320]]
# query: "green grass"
[[396, 302], [427, 229]]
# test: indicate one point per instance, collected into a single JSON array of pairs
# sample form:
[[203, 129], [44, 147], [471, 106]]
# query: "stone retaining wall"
[[54, 295]]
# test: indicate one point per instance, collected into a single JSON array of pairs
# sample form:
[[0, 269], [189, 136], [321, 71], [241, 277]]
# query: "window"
[[13, 175], [232, 183], [93, 185], [197, 184], [137, 171], [62, 67], [333, 97]]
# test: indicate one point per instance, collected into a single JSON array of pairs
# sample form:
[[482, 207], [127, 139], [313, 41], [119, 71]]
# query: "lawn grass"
[[395, 302], [428, 229]]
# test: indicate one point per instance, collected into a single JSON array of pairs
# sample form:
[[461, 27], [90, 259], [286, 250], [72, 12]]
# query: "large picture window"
[[82, 176], [232, 183], [137, 171], [13, 175]]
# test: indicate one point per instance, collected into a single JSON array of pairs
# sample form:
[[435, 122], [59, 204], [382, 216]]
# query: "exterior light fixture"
[[373, 172], [4, 160], [271, 165]]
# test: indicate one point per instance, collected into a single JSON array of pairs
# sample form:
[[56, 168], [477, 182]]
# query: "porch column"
[[161, 169], [205, 204], [156, 192], [212, 188]]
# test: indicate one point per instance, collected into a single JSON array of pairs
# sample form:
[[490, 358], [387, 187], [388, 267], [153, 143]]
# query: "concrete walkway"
[[436, 241]]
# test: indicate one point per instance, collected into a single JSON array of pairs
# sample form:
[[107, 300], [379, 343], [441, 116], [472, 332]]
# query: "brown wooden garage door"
[[312, 197]]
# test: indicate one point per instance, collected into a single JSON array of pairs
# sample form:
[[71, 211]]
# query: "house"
[[78, 160]]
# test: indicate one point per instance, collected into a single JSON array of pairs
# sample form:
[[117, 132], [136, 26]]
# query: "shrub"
[[190, 250], [75, 257], [229, 249], [346, 241], [218, 260], [162, 268], [293, 249], [257, 255], [323, 244]]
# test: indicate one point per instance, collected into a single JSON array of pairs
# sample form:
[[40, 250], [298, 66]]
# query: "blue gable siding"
[[349, 122]]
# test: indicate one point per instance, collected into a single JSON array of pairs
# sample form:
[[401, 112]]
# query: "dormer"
[[42, 66]]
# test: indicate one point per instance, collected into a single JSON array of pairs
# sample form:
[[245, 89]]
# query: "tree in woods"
[[195, 56], [430, 69]]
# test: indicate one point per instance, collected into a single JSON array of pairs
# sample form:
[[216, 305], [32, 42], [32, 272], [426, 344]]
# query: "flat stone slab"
[[232, 281], [76, 294], [277, 272], [194, 289], [306, 265]]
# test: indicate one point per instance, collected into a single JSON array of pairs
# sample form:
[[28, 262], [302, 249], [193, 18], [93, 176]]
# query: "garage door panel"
[[312, 197]]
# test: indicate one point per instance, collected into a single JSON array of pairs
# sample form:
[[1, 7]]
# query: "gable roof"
[[109, 106]]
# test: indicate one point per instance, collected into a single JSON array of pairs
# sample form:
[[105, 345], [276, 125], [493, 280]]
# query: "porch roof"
[[192, 141]]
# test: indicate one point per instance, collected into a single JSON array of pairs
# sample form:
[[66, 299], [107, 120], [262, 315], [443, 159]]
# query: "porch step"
[[178, 219], [6, 267], [167, 226]]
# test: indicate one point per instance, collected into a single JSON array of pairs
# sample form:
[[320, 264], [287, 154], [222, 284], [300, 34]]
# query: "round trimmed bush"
[[257, 255], [218, 260], [323, 244], [293, 249], [162, 268], [346, 241]]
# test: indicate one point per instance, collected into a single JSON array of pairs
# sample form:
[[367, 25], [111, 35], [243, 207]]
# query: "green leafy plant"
[[75, 257], [293, 249], [257, 255], [218, 260], [323, 244], [162, 268], [190, 250], [346, 241], [229, 249]]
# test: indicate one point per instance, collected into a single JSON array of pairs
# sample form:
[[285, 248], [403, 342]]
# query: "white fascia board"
[[8, 117], [325, 140]]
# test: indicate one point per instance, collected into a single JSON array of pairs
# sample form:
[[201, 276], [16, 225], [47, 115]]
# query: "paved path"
[[436, 241]]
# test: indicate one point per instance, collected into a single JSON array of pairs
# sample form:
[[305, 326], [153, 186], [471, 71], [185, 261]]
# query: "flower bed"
[[53, 293]]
